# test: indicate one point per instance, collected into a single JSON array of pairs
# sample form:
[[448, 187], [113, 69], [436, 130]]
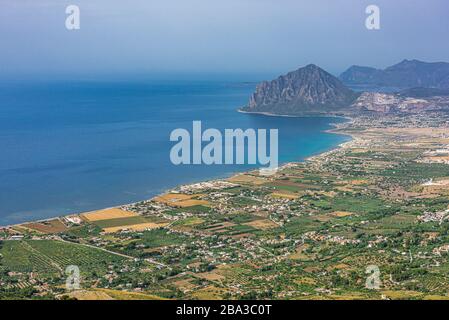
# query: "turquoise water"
[[74, 146]]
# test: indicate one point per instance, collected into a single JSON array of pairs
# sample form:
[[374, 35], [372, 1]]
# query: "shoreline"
[[309, 158], [269, 114]]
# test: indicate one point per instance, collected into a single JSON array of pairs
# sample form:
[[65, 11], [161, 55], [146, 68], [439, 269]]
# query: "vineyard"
[[49, 256]]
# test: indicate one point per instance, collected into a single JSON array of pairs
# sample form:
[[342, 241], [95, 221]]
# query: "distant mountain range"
[[312, 91], [308, 90], [406, 74]]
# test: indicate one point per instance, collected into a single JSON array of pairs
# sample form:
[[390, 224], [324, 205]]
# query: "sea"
[[70, 146]]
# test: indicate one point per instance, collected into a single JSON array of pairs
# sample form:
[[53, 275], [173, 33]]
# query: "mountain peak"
[[406, 64], [311, 66], [413, 61]]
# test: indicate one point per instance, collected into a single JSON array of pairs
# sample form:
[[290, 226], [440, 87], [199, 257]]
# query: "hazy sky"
[[216, 36]]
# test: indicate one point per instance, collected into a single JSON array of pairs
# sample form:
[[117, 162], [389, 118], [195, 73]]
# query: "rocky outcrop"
[[308, 90]]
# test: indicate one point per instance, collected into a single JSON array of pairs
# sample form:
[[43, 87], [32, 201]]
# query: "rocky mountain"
[[308, 90], [406, 74]]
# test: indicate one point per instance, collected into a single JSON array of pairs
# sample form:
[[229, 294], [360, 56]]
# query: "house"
[[16, 237]]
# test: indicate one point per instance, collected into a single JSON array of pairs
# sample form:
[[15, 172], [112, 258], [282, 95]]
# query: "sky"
[[152, 37]]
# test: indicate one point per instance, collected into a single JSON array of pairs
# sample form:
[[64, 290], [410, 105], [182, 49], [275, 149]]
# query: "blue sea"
[[74, 146]]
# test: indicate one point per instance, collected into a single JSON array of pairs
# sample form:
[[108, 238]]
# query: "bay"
[[75, 146]]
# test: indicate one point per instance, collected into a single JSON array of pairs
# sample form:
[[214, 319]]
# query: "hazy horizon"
[[210, 38]]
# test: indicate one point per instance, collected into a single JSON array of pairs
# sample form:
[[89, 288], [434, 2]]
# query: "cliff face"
[[406, 74], [309, 90]]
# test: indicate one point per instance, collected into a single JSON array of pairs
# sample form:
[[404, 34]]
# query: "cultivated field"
[[181, 200], [106, 214], [50, 226]]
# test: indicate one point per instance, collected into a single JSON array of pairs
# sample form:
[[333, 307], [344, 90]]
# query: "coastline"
[[282, 166], [269, 114], [332, 131]]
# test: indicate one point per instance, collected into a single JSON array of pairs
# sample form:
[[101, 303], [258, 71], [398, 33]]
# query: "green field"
[[160, 237]]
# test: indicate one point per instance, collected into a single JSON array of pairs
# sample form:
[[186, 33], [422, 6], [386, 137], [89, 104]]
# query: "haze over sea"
[[74, 146]]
